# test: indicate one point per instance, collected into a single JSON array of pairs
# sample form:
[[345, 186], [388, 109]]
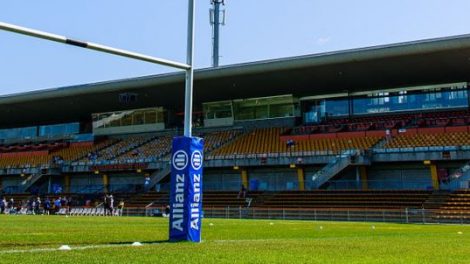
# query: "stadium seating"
[[49, 146], [300, 199], [44, 157], [456, 207], [121, 146], [348, 199], [214, 140], [388, 121], [122, 149], [268, 140], [429, 140], [265, 140], [158, 199], [24, 159], [151, 149], [80, 151]]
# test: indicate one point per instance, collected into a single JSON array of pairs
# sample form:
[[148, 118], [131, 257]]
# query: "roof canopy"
[[442, 60]]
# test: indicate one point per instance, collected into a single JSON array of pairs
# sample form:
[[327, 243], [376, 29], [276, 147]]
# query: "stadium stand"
[[312, 139]]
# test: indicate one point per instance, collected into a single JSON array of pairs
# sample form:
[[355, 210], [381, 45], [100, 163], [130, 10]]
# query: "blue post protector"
[[186, 189]]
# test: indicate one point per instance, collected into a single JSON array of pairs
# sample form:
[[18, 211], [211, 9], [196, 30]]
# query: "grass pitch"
[[34, 239]]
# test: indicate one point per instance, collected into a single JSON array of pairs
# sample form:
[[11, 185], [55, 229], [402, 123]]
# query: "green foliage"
[[107, 240]]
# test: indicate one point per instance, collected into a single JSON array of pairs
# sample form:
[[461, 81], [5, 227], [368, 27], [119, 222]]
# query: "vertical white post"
[[188, 98]]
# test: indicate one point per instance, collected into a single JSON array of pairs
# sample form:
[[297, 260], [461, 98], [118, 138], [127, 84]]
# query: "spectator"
[[57, 204], [2, 205], [31, 203], [121, 207], [111, 204], [388, 135], [18, 207], [106, 204], [47, 206], [166, 212], [37, 205], [11, 204]]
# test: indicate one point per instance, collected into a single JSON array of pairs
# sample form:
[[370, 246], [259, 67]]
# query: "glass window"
[[261, 112], [138, 117], [150, 117], [59, 130], [217, 110], [283, 110], [126, 120], [336, 107], [160, 117], [245, 113]]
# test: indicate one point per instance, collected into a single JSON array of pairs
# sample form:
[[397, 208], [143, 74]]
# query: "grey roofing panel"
[[314, 60], [441, 60]]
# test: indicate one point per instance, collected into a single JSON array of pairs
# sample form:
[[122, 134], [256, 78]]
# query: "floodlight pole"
[[188, 98]]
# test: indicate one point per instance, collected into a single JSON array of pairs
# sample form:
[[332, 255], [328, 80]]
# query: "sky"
[[255, 30]]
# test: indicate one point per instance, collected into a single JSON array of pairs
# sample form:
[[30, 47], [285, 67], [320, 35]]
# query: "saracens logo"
[[196, 160], [180, 160]]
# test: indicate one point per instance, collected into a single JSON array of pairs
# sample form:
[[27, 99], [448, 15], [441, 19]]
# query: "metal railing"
[[421, 149], [405, 215]]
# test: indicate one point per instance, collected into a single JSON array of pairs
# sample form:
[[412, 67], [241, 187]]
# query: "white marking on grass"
[[65, 247], [136, 244], [248, 240], [35, 250]]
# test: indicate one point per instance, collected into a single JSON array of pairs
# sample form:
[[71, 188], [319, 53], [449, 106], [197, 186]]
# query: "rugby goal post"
[[187, 151]]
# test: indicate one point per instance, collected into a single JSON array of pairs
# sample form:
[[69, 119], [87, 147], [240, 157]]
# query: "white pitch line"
[[34, 250]]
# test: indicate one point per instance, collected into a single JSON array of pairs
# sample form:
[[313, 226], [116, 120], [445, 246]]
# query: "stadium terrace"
[[378, 129]]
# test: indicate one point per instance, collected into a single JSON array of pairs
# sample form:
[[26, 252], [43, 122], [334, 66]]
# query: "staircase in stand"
[[159, 175], [459, 179], [334, 167], [29, 181]]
